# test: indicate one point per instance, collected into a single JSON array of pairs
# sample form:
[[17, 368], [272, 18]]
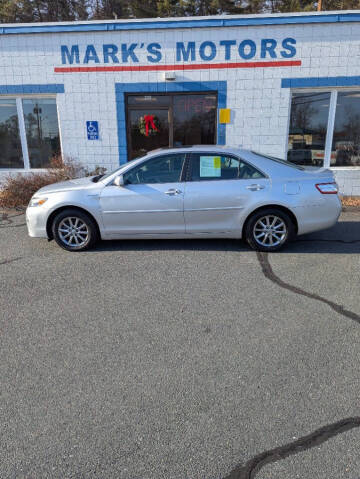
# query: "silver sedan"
[[194, 192]]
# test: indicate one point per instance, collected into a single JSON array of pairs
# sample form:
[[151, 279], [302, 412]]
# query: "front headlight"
[[37, 201]]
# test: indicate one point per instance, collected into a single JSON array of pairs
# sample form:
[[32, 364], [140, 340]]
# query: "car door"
[[151, 201], [219, 188]]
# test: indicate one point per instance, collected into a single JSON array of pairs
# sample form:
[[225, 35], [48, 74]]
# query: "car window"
[[163, 169], [207, 167], [279, 160]]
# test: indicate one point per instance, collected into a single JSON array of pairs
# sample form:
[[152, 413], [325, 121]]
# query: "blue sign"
[[189, 51], [92, 128]]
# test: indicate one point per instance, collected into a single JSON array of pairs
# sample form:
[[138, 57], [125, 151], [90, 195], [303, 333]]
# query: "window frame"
[[140, 165], [330, 123], [17, 169], [22, 130], [217, 153]]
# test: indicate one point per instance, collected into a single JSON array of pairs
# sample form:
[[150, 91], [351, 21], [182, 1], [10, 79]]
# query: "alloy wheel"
[[270, 231], [73, 232]]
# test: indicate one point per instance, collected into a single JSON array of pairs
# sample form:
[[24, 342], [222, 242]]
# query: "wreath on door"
[[149, 125]]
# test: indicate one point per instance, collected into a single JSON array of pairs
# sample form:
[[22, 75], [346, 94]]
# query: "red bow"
[[149, 122]]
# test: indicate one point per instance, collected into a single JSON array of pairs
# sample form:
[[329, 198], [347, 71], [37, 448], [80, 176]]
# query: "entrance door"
[[168, 120], [148, 129]]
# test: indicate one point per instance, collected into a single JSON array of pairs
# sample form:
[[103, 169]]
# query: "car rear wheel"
[[269, 229], [74, 230]]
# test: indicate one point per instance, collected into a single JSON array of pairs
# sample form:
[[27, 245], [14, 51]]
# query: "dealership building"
[[106, 92]]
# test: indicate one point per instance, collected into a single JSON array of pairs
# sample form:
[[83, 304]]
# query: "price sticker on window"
[[210, 166]]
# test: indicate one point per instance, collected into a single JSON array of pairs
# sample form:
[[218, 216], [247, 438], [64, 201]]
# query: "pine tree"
[[220, 7], [341, 4], [143, 9], [110, 9], [42, 11], [283, 6], [169, 8], [12, 11]]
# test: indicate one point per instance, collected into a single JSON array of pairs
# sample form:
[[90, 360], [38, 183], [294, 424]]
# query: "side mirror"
[[119, 181]]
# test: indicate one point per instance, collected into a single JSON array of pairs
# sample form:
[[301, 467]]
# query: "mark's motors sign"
[[125, 56]]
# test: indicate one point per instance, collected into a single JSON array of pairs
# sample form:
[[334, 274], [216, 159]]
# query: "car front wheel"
[[269, 230], [74, 230]]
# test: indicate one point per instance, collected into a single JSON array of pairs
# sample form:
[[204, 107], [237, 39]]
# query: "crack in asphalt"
[[12, 226], [7, 222], [7, 261], [319, 436], [253, 466], [269, 273]]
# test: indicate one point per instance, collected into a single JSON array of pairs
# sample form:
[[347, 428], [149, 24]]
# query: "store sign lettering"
[[207, 51]]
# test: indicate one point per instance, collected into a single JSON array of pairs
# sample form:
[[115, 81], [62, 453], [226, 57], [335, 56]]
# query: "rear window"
[[210, 166], [278, 160]]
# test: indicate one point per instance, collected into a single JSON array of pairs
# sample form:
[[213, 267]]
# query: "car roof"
[[183, 149]]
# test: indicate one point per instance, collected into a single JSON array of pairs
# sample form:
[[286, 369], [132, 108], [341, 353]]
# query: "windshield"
[[103, 177], [279, 160]]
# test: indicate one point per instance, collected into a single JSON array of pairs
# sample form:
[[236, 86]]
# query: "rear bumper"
[[36, 222], [319, 216]]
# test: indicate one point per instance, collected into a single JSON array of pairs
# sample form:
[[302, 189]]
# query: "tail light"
[[327, 188]]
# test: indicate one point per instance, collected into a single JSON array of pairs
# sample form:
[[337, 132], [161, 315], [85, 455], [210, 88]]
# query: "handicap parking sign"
[[92, 128]]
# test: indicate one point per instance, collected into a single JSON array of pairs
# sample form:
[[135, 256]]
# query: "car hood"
[[71, 185]]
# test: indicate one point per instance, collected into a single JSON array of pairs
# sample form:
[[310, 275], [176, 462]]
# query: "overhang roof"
[[342, 16]]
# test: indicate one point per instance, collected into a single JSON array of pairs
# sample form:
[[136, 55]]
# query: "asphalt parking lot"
[[195, 359]]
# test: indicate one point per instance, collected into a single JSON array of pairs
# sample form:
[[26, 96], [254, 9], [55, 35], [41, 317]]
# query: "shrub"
[[351, 201], [17, 190]]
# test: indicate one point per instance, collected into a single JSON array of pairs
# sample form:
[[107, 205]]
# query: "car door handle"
[[255, 187], [173, 192]]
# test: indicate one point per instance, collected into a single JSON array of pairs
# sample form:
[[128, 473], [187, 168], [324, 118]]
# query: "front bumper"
[[36, 219]]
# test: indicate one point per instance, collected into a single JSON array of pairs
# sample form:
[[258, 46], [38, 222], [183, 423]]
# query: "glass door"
[[148, 119], [167, 120]]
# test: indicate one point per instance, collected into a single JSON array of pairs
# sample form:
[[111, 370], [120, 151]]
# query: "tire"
[[74, 230], [269, 229]]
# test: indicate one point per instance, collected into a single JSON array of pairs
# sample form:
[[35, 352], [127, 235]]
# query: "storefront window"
[[194, 119], [42, 131], [10, 145], [35, 121], [308, 126], [346, 138]]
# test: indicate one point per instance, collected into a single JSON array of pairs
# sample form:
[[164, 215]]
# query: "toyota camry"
[[193, 192]]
